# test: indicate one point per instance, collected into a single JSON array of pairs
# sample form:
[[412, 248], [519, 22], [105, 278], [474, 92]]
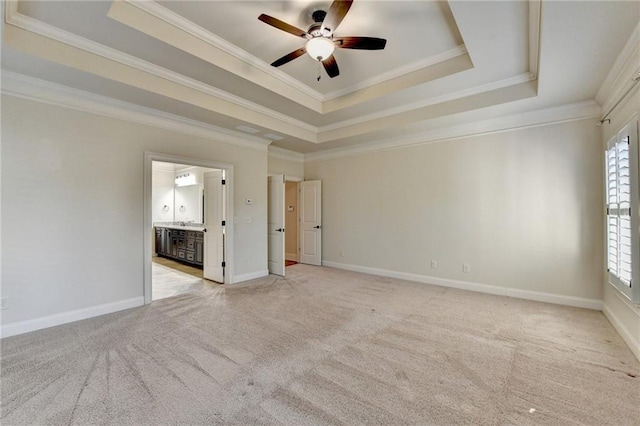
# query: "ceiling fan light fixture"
[[320, 48], [319, 37]]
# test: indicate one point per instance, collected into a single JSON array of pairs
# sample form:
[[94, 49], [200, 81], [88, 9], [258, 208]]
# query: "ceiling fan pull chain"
[[319, 72]]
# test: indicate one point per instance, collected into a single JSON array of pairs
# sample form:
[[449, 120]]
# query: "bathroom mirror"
[[189, 203]]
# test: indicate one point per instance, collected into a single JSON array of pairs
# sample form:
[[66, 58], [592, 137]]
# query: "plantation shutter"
[[619, 210], [621, 238]]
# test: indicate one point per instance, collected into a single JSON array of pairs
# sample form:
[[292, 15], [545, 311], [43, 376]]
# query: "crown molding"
[[535, 24], [624, 69], [542, 117], [313, 133], [398, 72], [27, 23], [500, 84], [22, 86], [19, 85], [197, 31], [169, 27], [285, 154], [11, 8]]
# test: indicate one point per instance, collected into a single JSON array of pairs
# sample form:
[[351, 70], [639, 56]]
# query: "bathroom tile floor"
[[168, 280], [191, 270]]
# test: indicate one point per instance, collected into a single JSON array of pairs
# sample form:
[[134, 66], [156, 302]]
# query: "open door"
[[213, 262], [311, 222], [276, 224]]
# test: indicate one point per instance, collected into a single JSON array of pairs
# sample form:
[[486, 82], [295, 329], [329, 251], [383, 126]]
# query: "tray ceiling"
[[209, 61]]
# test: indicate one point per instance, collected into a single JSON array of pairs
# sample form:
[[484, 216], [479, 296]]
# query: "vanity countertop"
[[188, 227]]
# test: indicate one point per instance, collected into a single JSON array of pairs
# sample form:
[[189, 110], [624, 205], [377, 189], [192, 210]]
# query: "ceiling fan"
[[320, 37]]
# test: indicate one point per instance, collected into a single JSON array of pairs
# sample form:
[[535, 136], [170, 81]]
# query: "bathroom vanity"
[[182, 243]]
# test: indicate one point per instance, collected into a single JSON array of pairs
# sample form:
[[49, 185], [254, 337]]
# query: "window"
[[621, 165]]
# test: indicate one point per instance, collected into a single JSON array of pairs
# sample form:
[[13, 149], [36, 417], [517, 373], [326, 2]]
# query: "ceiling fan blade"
[[331, 66], [364, 43], [290, 57], [281, 25], [335, 15]]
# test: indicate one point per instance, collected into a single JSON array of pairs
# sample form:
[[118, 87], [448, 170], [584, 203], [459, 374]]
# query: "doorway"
[[294, 222], [188, 243], [291, 220]]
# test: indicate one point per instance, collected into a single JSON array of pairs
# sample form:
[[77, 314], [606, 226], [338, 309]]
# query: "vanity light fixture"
[[185, 179]]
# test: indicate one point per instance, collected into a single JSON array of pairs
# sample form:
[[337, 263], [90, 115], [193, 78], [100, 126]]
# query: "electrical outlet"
[[466, 268], [434, 264], [341, 253], [3, 303]]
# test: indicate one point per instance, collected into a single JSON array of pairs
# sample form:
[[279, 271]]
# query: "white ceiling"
[[445, 62], [403, 24]]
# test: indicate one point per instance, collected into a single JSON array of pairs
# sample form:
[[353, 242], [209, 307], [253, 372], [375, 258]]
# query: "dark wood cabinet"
[[163, 241], [173, 244], [159, 234], [165, 248], [199, 251], [182, 245]]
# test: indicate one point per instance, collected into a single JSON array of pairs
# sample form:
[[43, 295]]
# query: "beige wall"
[[523, 208], [72, 206], [280, 166], [622, 314], [291, 221]]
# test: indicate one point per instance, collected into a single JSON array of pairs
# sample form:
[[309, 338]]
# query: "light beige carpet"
[[325, 347]]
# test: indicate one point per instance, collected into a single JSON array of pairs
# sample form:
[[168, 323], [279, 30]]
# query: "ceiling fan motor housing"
[[314, 30]]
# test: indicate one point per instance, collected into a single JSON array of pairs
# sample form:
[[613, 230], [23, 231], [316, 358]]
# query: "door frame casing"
[[215, 221], [149, 158]]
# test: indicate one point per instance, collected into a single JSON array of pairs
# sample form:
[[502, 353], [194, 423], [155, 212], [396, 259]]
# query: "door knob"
[[280, 230], [317, 227]]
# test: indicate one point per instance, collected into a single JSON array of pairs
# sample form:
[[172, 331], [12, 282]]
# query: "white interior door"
[[213, 268], [311, 222], [276, 224]]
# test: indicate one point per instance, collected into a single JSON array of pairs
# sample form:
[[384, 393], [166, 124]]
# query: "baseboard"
[[250, 276], [21, 327], [633, 344], [291, 256], [471, 286]]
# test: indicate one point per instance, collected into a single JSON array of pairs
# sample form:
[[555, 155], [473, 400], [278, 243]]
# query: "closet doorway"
[[294, 222], [291, 221]]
